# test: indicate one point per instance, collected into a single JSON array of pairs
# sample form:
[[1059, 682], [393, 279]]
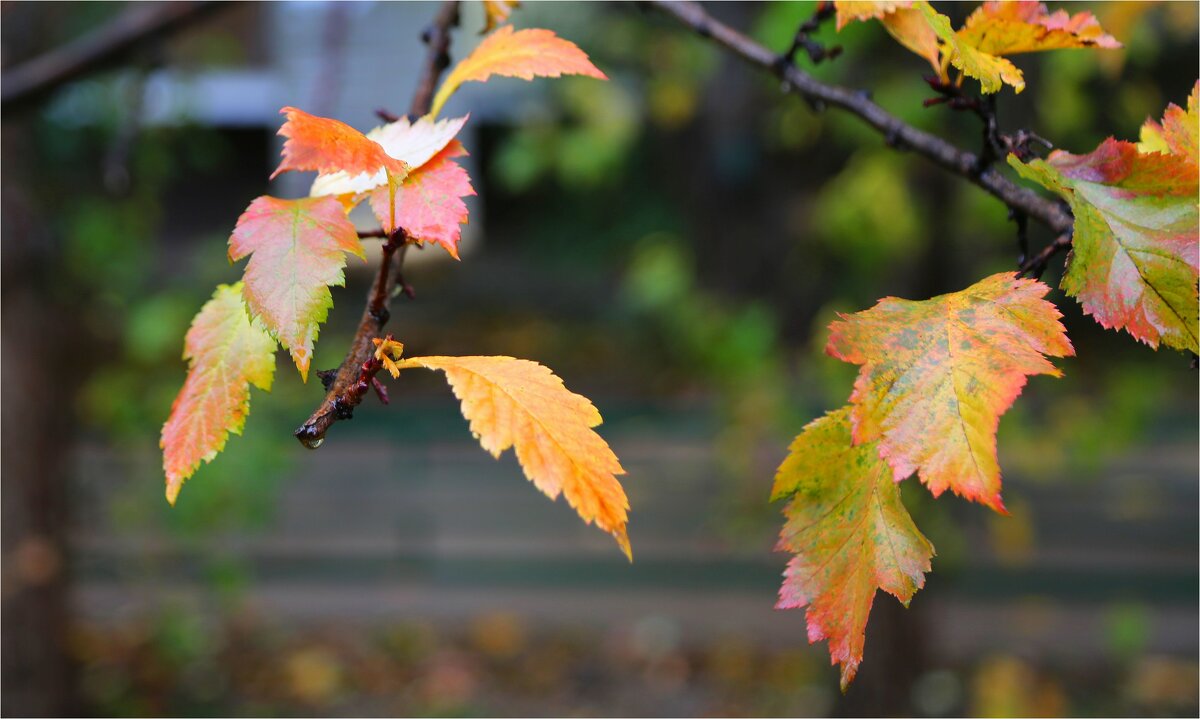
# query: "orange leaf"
[[327, 145], [850, 533], [994, 30], [910, 28], [1010, 28], [414, 144], [226, 353], [298, 248], [524, 54], [936, 376], [517, 403], [849, 11], [428, 204]]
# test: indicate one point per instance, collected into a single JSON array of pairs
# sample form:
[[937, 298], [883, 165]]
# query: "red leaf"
[[428, 204], [298, 250]]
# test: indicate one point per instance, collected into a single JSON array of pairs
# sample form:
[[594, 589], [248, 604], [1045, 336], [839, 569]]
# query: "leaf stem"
[[355, 375]]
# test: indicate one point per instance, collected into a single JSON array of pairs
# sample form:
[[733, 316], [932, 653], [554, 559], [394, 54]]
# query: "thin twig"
[[1036, 265], [358, 369], [817, 52], [896, 132]]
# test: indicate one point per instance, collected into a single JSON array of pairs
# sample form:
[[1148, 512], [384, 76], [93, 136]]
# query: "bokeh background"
[[673, 243]]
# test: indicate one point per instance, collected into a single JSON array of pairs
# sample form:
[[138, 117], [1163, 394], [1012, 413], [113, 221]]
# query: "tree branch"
[[357, 371], [98, 48], [894, 130]]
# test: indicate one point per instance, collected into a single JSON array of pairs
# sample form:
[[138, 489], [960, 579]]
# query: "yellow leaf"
[[857, 10], [518, 403], [1179, 132], [496, 13], [991, 71], [524, 54], [1010, 28]]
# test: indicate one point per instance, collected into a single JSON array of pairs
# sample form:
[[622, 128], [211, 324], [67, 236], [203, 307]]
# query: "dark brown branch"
[[98, 49], [357, 371], [895, 131], [817, 52]]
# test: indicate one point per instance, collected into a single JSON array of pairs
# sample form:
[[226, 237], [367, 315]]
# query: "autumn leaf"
[[517, 403], [413, 144], [496, 13], [226, 353], [936, 376], [524, 54], [1010, 28], [992, 31], [1179, 132], [388, 351], [429, 204], [327, 145], [1134, 258], [990, 70], [298, 250], [850, 535], [849, 11], [903, 22]]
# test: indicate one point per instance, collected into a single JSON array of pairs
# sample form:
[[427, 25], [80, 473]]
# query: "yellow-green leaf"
[[850, 535]]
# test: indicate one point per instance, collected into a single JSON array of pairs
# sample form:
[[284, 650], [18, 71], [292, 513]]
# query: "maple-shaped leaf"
[[850, 535], [496, 13], [903, 22], [936, 376], [524, 54], [298, 250], [1134, 256], [429, 204], [226, 353], [413, 143], [518, 403], [327, 145], [1179, 132]]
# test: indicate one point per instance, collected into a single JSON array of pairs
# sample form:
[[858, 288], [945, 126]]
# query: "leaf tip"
[[173, 486], [622, 537]]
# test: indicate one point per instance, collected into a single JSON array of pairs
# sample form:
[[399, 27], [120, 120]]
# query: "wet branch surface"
[[898, 134], [356, 375]]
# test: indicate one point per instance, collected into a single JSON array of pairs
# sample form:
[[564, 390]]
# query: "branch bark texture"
[[896, 132]]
